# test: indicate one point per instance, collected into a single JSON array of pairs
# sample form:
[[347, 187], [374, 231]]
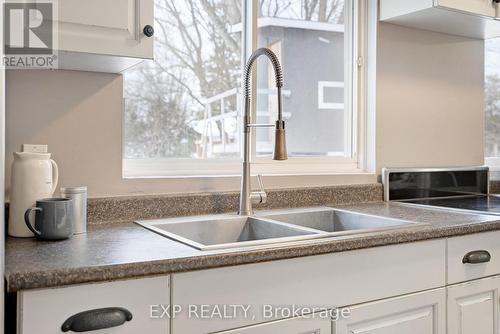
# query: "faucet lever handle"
[[259, 197]]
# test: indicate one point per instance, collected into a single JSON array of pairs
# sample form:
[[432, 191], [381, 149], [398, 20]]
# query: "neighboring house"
[[312, 57]]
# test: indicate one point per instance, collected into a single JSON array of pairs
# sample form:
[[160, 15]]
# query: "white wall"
[[430, 97], [78, 114], [429, 113]]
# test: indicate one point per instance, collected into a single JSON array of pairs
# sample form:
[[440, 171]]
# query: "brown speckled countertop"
[[126, 250]]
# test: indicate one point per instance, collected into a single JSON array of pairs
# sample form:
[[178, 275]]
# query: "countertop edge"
[[28, 280]]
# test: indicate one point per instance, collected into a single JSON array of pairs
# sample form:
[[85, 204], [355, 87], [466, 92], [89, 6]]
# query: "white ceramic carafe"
[[34, 176]]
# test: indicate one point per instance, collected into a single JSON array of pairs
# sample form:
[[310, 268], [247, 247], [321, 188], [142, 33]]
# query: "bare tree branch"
[[220, 26]]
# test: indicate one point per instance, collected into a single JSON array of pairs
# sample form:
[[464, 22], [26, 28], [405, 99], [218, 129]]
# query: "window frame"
[[493, 163], [358, 140]]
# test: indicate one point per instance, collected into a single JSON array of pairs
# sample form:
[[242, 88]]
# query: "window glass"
[[492, 97], [183, 110], [308, 37], [173, 106]]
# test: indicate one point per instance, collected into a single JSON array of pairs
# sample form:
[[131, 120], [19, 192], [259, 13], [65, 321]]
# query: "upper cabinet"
[[480, 7], [469, 18], [104, 35]]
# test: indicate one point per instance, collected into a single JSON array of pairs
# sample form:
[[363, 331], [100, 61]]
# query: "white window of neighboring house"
[[183, 111], [492, 103], [322, 103]]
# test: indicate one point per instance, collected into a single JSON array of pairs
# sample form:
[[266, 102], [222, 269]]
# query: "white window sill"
[[279, 178], [179, 168], [179, 185]]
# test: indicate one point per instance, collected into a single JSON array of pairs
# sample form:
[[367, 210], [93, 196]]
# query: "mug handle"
[[55, 175], [27, 220]]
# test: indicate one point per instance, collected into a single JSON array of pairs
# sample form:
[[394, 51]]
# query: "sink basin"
[[270, 227], [227, 231], [335, 221]]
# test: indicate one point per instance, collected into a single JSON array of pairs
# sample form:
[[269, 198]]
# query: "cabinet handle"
[[96, 319], [478, 256], [150, 31]]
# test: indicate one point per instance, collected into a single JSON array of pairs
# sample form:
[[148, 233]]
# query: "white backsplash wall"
[[430, 99], [78, 114], [429, 113]]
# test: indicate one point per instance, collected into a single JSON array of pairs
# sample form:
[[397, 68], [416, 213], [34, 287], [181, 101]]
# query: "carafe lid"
[[74, 190]]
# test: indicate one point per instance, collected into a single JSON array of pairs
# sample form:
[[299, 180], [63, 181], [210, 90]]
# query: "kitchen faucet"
[[247, 197]]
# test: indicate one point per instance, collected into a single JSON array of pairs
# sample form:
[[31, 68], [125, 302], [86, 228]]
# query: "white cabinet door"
[[473, 307], [420, 313], [105, 27], [288, 326], [44, 311], [480, 7]]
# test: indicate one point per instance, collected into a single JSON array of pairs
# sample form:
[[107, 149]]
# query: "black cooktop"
[[490, 204], [460, 188]]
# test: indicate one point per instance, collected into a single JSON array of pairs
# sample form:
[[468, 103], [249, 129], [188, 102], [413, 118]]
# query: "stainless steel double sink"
[[271, 227]]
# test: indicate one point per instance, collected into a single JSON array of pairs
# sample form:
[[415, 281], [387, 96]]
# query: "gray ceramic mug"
[[52, 220]]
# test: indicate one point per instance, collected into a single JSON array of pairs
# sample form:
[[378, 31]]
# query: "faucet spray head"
[[280, 141]]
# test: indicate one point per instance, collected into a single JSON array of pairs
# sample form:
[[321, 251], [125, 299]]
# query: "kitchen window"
[[183, 111]]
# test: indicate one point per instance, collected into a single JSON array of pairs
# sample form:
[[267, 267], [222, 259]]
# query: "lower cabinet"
[[288, 326], [419, 313], [473, 307], [325, 281], [121, 307], [379, 284]]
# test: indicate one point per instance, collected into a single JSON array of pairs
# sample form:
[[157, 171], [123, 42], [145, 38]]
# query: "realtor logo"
[[29, 35]]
